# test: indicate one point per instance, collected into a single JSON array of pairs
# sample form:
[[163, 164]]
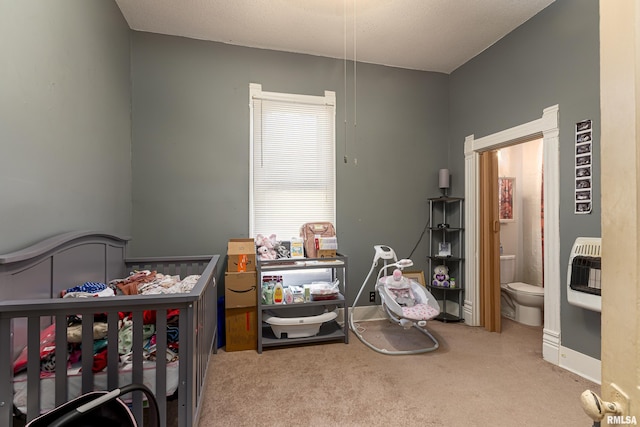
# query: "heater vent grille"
[[591, 249], [584, 273]]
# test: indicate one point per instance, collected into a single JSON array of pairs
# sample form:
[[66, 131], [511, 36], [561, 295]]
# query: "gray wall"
[[191, 146], [551, 59], [65, 131], [64, 120]]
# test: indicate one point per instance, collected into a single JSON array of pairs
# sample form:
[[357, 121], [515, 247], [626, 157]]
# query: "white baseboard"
[[581, 364]]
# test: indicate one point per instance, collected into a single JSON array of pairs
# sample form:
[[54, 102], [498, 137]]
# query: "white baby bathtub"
[[298, 327]]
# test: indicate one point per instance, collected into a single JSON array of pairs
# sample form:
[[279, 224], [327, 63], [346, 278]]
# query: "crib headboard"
[[60, 262]]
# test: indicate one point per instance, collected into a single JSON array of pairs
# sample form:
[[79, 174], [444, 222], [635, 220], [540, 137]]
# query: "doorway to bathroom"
[[521, 209], [521, 214], [546, 128]]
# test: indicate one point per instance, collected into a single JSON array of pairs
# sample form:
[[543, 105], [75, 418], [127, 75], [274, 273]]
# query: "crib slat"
[[87, 353], [61, 358], [6, 373], [33, 367], [200, 346], [182, 369], [186, 356], [161, 365], [112, 352], [136, 371]]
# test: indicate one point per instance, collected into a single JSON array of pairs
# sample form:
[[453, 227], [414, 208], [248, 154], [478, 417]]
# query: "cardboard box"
[[327, 253], [241, 255], [327, 247], [241, 329], [240, 289]]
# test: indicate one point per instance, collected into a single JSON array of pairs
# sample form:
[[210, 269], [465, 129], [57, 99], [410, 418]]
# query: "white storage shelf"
[[333, 330]]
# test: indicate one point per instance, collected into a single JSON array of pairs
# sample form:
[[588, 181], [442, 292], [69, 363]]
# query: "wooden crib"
[[30, 283]]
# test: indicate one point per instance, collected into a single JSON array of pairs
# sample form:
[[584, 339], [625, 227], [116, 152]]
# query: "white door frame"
[[547, 128]]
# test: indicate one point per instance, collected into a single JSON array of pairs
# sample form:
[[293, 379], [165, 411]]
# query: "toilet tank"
[[507, 269]]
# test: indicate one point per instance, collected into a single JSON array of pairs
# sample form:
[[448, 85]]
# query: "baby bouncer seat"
[[405, 302]]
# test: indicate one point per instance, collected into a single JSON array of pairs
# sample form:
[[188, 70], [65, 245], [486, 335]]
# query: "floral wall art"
[[506, 188]]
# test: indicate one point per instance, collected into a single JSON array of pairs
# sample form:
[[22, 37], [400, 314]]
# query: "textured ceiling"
[[430, 35]]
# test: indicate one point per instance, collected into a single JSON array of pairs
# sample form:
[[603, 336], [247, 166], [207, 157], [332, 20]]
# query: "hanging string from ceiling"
[[344, 96], [355, 65], [355, 79]]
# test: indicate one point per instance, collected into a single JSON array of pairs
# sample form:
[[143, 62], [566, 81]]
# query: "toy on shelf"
[[266, 247], [441, 276]]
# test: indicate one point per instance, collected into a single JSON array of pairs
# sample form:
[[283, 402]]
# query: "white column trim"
[[546, 127], [552, 271], [471, 234]]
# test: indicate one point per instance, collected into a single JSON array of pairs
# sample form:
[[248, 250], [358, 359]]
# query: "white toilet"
[[519, 301]]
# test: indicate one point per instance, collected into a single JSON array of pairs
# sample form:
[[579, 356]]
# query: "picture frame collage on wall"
[[583, 191]]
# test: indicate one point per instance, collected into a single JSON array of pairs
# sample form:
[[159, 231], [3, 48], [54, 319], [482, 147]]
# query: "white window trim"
[[256, 92]]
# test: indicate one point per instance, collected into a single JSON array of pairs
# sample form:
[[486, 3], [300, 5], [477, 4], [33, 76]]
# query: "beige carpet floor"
[[475, 378]]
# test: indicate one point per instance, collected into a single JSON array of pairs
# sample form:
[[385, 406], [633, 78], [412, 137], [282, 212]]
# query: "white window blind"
[[292, 161]]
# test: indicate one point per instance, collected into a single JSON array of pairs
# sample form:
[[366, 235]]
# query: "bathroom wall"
[[523, 236], [509, 165], [531, 179]]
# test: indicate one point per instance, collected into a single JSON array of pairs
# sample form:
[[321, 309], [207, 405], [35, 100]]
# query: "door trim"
[[547, 128]]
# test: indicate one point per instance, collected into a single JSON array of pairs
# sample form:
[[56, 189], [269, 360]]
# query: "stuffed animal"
[[266, 246], [283, 249], [441, 276]]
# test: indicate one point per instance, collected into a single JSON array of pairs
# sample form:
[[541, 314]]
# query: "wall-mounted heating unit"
[[584, 272]]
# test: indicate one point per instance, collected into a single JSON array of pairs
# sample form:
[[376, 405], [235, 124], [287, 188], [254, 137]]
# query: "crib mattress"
[[74, 383]]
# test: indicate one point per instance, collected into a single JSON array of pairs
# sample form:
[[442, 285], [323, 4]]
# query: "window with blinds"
[[292, 161]]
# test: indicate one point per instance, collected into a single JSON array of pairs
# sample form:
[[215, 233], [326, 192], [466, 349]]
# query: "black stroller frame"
[[98, 409]]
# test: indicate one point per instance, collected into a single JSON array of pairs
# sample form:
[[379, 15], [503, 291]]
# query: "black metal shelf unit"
[[446, 249]]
